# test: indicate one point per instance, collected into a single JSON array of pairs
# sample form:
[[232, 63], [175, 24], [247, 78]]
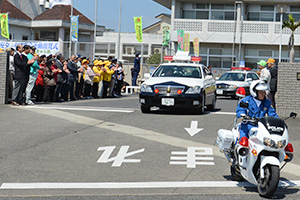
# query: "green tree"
[[154, 59], [292, 25]]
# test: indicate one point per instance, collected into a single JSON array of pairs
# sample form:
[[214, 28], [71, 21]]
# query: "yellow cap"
[[271, 60], [106, 63], [85, 61], [100, 63]]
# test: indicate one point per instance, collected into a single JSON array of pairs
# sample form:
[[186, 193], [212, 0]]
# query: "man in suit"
[[60, 78], [22, 71], [73, 76]]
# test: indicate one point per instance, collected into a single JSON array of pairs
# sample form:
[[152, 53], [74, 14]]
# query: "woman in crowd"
[[49, 82], [39, 84], [88, 77]]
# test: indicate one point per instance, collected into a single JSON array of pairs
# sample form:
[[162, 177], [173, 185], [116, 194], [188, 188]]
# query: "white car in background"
[[179, 85], [228, 82]]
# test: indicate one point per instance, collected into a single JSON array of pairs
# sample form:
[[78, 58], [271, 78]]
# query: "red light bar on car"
[[168, 58], [195, 58], [240, 68]]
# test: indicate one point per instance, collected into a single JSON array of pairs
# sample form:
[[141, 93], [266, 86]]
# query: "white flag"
[[59, 2]]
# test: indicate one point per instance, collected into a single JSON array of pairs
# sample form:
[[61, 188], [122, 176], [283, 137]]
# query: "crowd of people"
[[54, 78]]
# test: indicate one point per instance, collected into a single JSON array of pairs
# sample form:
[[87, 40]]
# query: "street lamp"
[[281, 9]]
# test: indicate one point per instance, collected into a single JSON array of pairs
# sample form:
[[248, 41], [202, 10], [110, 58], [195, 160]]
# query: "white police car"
[[228, 83], [179, 85]]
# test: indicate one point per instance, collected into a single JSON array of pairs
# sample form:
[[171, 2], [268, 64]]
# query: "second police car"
[[179, 85], [228, 82]]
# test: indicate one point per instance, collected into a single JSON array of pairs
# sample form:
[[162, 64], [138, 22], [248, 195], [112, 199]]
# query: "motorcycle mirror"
[[244, 104], [293, 115]]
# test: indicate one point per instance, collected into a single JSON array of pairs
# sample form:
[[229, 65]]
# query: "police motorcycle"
[[260, 158]]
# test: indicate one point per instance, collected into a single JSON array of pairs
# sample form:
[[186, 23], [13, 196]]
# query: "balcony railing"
[[221, 26]]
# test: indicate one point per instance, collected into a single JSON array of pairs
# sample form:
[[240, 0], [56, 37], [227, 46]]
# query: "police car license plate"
[[219, 91], [167, 102]]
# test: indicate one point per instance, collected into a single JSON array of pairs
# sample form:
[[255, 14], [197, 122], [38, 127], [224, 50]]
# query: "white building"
[[249, 28]]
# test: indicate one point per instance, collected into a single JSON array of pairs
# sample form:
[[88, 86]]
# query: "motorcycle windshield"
[[274, 125]]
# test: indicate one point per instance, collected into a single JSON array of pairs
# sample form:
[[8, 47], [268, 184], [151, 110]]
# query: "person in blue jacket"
[[259, 106], [136, 68]]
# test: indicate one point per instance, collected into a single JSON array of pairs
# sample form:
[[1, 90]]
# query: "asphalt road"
[[108, 149]]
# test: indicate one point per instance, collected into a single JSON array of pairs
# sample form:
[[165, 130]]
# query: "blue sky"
[[108, 12]]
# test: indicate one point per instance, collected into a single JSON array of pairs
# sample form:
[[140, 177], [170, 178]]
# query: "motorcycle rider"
[[258, 107]]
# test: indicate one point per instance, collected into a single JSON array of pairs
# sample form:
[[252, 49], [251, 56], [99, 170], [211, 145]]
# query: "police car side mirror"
[[217, 78], [249, 80], [244, 104]]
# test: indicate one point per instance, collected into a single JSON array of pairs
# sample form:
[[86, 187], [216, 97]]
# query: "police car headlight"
[[194, 90], [232, 86], [146, 88]]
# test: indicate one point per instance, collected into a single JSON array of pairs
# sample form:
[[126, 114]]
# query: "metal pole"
[[234, 35], [241, 32], [95, 30], [70, 46], [280, 36], [119, 32]]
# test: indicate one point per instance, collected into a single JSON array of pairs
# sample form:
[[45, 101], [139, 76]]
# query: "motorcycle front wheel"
[[268, 185]]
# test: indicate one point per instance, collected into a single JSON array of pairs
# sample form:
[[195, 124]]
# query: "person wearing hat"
[[107, 73], [97, 78], [264, 72], [136, 68], [273, 82], [88, 76], [32, 76], [113, 78]]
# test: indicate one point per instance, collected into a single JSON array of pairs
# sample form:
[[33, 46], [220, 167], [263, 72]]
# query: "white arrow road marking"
[[193, 130], [290, 168], [133, 185]]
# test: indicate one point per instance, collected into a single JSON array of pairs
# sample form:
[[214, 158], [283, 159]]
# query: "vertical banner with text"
[[186, 42], [138, 28], [74, 28], [180, 35], [4, 25], [196, 46], [166, 35]]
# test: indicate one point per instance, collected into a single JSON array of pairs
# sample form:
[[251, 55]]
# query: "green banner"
[[180, 35], [138, 28], [4, 25], [166, 35]]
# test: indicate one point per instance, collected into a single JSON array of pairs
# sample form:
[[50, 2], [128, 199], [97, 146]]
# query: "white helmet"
[[258, 85]]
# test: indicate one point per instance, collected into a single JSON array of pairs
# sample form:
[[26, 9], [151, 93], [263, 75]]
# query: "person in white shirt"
[[265, 73]]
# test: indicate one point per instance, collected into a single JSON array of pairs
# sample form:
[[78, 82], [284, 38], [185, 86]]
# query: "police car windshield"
[[178, 71], [232, 77]]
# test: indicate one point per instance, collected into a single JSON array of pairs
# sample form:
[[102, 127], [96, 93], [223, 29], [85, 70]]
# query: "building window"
[[208, 11], [25, 37], [48, 35], [260, 12]]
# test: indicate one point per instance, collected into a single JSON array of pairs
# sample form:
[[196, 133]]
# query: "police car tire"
[[145, 109], [213, 104]]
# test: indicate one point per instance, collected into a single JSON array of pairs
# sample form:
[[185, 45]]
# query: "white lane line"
[[222, 113], [133, 185], [82, 109]]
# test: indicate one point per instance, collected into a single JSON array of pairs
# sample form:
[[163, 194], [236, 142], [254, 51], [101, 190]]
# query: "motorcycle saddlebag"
[[225, 139]]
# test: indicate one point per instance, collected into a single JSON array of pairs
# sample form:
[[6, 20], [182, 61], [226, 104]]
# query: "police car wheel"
[[145, 109]]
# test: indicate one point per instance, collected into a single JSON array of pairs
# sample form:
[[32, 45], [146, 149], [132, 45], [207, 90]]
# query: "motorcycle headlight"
[[146, 88], [194, 90], [281, 144], [271, 143]]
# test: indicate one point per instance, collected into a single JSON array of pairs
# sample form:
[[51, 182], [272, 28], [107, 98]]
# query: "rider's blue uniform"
[[253, 110]]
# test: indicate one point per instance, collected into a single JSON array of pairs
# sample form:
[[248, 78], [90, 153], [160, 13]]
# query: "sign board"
[[45, 48], [242, 63]]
